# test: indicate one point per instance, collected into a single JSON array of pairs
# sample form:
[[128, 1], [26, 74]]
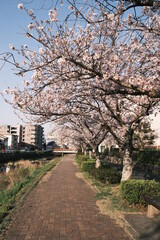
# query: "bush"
[[82, 158], [106, 175], [147, 157], [135, 190], [88, 166]]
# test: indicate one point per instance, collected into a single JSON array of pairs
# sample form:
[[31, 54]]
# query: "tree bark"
[[127, 165], [98, 163], [96, 156], [90, 154]]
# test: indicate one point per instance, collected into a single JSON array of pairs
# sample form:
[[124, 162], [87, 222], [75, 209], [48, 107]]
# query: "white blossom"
[[30, 12], [71, 8], [26, 83], [40, 27], [20, 6], [110, 17], [24, 62], [61, 61], [41, 51], [30, 26], [53, 14], [11, 47]]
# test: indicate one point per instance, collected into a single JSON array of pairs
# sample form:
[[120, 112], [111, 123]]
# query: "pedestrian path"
[[63, 207]]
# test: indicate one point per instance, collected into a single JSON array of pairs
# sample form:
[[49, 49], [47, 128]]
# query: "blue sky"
[[12, 23], [10, 20]]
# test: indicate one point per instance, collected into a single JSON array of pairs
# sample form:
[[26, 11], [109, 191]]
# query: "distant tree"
[[143, 136]]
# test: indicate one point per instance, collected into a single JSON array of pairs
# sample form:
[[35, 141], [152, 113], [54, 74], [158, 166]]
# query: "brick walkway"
[[63, 207]]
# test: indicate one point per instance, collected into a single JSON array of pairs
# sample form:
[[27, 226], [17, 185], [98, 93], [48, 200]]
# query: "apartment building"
[[3, 141], [9, 141], [33, 135], [13, 130], [5, 129], [16, 130], [12, 141], [30, 134]]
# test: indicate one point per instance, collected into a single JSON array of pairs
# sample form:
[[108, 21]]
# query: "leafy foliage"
[[146, 157], [143, 136], [135, 190], [88, 166], [106, 175], [80, 158]]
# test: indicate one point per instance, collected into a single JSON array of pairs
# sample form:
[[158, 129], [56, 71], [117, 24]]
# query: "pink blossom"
[[20, 6]]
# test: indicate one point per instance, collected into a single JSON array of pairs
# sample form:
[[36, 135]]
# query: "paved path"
[[63, 207]]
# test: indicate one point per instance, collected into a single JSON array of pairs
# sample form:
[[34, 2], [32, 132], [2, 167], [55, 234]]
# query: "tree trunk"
[[127, 165], [96, 156], [90, 154], [98, 163], [82, 149], [127, 155]]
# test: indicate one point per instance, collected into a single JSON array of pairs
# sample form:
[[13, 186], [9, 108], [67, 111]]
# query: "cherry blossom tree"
[[87, 129], [144, 136], [108, 69]]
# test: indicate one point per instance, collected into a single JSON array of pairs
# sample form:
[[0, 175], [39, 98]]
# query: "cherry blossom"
[[97, 78], [53, 14], [11, 47], [20, 6]]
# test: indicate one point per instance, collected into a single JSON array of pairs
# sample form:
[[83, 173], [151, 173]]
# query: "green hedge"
[[104, 174], [149, 157], [81, 158], [135, 190], [88, 166], [146, 157]]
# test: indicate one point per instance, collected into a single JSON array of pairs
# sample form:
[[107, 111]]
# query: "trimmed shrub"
[[88, 166], [135, 190], [106, 175], [147, 157], [82, 158]]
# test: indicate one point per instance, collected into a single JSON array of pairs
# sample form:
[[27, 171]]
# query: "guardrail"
[[57, 150]]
